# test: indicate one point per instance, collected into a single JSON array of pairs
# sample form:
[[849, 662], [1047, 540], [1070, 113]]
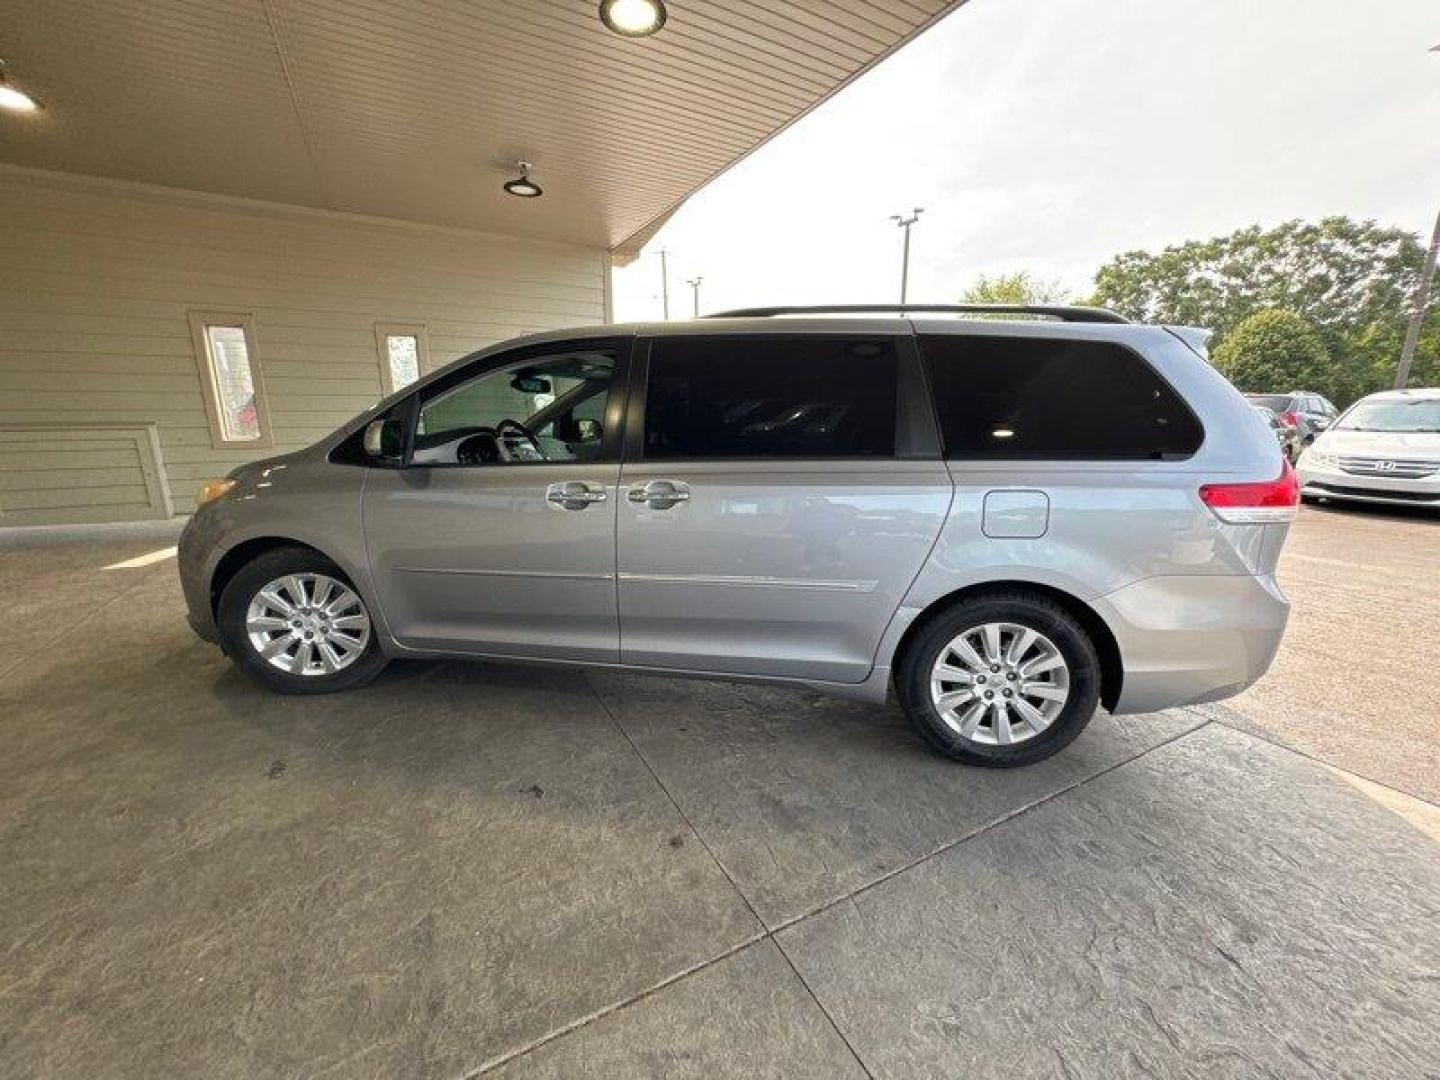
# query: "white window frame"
[[200, 322], [384, 330]]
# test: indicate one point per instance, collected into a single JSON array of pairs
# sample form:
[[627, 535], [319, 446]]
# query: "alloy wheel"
[[999, 683], [308, 624]]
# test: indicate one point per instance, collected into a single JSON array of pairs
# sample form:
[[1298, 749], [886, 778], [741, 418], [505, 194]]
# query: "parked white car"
[[1383, 449]]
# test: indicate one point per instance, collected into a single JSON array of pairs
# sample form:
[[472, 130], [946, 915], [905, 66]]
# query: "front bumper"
[[1327, 482], [1186, 639], [195, 564]]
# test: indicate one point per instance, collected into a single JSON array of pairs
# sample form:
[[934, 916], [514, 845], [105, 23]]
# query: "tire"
[[1058, 634], [263, 588]]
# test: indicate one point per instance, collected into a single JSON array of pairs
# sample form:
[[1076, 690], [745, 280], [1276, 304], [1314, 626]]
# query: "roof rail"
[[1061, 312]]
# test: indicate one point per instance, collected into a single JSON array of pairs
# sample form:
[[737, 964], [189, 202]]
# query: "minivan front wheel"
[[1001, 681], [291, 619]]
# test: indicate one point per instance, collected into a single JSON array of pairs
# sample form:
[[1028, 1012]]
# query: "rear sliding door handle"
[[659, 494], [573, 495]]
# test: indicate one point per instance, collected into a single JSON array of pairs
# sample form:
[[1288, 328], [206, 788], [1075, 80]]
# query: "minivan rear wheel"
[[292, 619], [1000, 681]]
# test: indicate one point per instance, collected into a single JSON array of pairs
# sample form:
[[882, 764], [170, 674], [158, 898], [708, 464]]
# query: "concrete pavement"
[[479, 869], [1357, 680]]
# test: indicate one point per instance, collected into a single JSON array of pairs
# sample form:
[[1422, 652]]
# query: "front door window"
[[546, 409]]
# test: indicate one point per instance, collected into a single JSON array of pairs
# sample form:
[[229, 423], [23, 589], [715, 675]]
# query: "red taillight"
[[1253, 504], [1290, 419]]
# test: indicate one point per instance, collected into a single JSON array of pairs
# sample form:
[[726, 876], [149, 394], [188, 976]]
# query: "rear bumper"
[[1193, 638]]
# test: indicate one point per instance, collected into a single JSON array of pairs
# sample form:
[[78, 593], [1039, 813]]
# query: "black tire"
[[912, 677], [234, 639]]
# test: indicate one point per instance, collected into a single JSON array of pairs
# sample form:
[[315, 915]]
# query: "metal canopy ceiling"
[[417, 109]]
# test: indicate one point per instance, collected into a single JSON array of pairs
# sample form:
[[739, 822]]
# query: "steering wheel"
[[479, 448], [516, 442]]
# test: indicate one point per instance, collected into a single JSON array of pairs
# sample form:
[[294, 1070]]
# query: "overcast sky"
[[1048, 135]]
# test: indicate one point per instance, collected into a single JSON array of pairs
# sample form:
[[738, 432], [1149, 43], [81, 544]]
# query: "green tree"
[[1349, 279], [1017, 288], [1336, 273], [1275, 349], [1376, 349]]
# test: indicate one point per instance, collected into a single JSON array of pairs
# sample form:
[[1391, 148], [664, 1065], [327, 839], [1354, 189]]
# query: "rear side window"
[[770, 397], [1017, 397]]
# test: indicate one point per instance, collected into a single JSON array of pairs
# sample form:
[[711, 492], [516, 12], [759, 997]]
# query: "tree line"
[[1318, 306]]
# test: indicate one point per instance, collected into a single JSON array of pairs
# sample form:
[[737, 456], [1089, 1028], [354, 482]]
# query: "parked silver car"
[[1383, 449], [1010, 522]]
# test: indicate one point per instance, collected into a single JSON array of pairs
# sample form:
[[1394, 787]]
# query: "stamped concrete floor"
[[481, 869]]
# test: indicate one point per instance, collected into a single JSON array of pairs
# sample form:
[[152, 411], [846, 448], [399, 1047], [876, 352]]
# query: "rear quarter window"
[[1021, 397]]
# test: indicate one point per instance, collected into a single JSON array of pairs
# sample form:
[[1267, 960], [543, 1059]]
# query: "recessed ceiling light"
[[13, 99], [633, 18], [1003, 433], [522, 186]]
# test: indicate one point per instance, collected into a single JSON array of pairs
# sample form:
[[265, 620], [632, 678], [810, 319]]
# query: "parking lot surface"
[[1357, 680], [473, 869]]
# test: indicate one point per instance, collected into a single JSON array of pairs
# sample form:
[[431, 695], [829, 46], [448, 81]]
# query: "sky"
[[1050, 135]]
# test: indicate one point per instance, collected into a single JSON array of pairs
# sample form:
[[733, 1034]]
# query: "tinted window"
[[1015, 397], [770, 397]]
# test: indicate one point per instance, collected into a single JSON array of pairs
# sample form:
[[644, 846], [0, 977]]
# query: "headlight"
[[212, 490]]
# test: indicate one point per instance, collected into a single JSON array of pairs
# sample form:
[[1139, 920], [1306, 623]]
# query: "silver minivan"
[[1009, 521]]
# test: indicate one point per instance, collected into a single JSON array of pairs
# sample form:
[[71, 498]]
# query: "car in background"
[[1287, 437], [1383, 449], [1305, 413]]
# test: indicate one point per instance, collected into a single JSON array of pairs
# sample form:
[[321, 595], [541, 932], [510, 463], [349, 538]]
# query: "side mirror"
[[385, 442]]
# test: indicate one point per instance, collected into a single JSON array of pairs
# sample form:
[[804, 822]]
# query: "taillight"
[[1254, 504], [1290, 419]]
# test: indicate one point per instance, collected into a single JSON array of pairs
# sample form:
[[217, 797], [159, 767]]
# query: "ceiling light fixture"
[[633, 18], [523, 187], [13, 99]]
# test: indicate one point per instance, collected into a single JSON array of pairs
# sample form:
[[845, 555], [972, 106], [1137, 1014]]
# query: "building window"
[[404, 354], [230, 375]]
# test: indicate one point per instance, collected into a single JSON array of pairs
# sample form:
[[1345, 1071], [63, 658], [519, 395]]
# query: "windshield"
[[1394, 414], [1274, 402]]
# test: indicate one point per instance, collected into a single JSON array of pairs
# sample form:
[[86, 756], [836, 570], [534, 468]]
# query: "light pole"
[[664, 286], [905, 223], [1419, 304], [694, 284]]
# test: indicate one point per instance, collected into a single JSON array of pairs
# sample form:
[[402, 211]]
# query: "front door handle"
[[573, 495], [659, 494]]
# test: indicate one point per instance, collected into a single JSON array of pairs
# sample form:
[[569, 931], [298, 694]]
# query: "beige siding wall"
[[96, 282]]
